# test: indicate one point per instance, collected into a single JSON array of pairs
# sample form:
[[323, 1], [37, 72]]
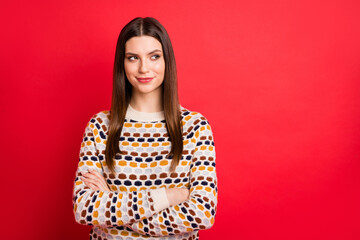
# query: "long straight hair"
[[122, 90]]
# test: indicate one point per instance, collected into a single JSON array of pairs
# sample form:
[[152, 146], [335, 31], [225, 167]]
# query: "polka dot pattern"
[[127, 212]]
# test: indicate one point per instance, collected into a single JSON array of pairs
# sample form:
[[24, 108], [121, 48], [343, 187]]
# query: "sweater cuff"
[[160, 199]]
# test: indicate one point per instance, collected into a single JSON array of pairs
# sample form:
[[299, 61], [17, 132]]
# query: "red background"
[[277, 80]]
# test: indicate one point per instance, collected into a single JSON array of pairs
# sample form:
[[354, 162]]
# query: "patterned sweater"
[[137, 206]]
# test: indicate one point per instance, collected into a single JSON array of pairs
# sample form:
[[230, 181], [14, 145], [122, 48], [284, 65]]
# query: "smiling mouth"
[[143, 80]]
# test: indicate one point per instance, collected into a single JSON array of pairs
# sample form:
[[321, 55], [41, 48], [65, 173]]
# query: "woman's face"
[[144, 59]]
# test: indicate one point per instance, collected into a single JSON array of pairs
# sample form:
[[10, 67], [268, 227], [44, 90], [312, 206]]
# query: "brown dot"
[[153, 176], [107, 214], [198, 220], [122, 176], [83, 213], [171, 218], [134, 154], [87, 203], [173, 175], [192, 212], [144, 155], [108, 204], [82, 221], [186, 204], [132, 176], [202, 227], [130, 212], [111, 176], [143, 177], [206, 199]]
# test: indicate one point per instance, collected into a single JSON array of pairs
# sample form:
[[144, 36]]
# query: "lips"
[[144, 80]]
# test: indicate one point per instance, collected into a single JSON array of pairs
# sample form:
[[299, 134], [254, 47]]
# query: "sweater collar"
[[133, 114]]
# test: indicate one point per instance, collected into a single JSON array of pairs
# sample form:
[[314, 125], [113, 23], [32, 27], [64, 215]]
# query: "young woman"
[[147, 166]]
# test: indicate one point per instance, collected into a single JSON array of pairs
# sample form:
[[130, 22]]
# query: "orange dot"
[[89, 163], [122, 163], [163, 162], [124, 233], [138, 125], [118, 214]]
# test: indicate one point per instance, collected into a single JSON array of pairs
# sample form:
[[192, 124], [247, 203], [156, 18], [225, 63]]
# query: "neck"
[[147, 102]]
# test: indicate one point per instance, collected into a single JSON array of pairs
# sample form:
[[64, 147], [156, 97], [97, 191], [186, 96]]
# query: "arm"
[[198, 212], [100, 207]]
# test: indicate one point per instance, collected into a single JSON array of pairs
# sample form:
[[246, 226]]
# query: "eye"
[[156, 56], [131, 57]]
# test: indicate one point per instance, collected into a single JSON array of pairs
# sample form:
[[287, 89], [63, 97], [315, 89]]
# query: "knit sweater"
[[137, 206]]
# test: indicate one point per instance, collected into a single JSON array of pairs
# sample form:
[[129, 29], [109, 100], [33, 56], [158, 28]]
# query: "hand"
[[94, 180], [177, 195]]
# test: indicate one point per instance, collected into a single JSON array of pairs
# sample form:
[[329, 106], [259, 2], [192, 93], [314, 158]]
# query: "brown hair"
[[122, 90]]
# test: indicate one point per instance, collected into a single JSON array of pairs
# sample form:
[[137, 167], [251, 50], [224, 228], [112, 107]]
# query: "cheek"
[[159, 67], [129, 69]]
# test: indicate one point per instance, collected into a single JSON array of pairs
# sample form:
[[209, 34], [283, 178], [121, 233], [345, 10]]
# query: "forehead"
[[142, 44]]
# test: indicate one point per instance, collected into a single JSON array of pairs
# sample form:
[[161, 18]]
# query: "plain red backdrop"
[[277, 80]]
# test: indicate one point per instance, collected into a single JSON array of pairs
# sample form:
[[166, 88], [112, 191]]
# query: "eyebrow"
[[156, 50]]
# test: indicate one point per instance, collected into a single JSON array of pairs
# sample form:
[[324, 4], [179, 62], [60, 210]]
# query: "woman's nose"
[[143, 66]]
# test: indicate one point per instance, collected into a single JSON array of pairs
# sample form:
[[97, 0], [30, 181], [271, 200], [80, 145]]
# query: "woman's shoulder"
[[101, 116], [192, 116]]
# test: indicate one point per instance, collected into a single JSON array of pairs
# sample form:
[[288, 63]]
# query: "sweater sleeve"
[[109, 208], [198, 212]]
